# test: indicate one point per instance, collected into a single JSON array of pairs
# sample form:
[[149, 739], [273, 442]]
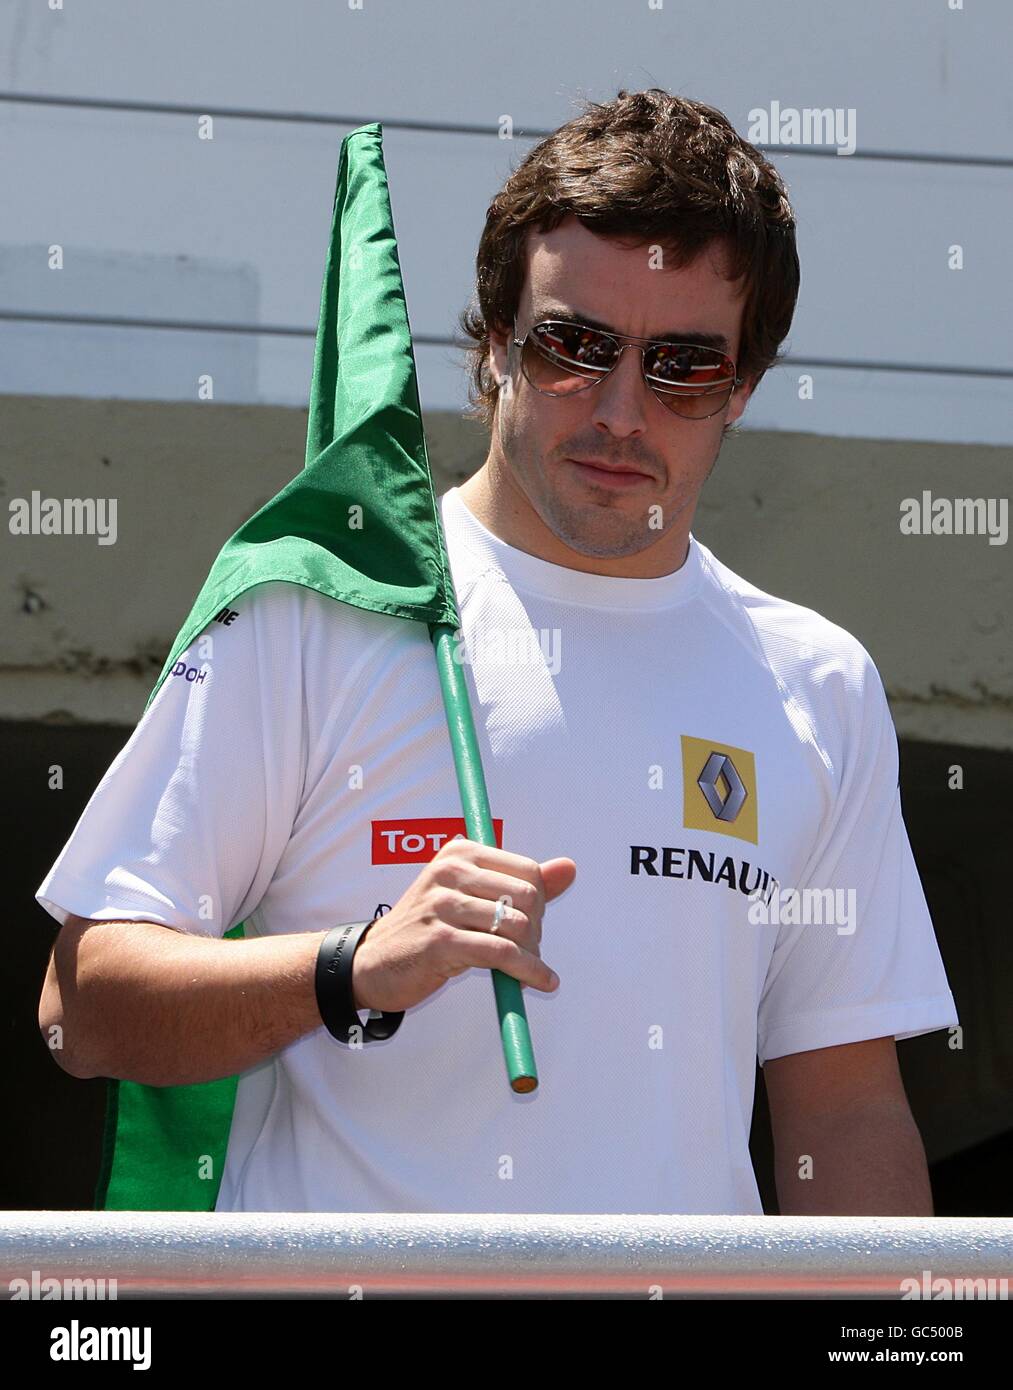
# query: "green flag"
[[358, 523]]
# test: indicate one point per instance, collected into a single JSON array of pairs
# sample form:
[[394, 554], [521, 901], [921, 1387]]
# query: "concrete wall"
[[817, 520]]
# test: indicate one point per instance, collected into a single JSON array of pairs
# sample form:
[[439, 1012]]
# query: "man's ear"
[[499, 348], [740, 399]]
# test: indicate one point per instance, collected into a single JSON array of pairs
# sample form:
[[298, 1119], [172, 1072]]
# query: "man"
[[697, 747]]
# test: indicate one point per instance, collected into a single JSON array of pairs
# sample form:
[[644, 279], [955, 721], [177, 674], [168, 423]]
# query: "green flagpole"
[[513, 1021]]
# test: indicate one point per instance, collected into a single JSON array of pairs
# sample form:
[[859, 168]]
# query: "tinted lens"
[[691, 380], [563, 357]]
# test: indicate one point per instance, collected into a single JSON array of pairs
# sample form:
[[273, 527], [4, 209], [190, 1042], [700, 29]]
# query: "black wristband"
[[335, 998]]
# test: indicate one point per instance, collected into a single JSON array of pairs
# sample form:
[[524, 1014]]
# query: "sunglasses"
[[559, 358]]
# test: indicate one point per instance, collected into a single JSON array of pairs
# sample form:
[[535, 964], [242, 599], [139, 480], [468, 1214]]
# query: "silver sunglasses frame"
[[623, 341]]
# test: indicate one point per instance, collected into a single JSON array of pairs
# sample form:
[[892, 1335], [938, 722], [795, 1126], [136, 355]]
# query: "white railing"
[[342, 1255]]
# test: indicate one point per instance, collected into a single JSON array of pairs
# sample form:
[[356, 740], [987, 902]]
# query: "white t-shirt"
[[683, 739]]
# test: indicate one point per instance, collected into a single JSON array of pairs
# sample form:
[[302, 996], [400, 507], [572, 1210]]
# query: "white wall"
[[158, 224]]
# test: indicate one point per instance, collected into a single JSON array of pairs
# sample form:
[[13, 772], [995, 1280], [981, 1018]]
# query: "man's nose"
[[622, 397]]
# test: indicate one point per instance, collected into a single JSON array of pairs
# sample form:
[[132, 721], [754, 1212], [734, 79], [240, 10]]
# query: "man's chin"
[[600, 530]]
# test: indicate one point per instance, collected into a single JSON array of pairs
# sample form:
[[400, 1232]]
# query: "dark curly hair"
[[652, 168]]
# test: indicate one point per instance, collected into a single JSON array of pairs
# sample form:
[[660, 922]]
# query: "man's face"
[[574, 274]]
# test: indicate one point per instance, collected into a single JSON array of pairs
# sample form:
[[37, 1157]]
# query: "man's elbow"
[[60, 1005], [55, 1035]]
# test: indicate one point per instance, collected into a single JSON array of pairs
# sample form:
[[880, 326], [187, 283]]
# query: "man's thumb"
[[557, 875]]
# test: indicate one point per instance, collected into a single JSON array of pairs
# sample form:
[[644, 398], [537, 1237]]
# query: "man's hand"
[[845, 1141], [442, 926]]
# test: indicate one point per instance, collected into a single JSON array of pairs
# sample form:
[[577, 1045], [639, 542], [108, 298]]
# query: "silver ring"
[[498, 915]]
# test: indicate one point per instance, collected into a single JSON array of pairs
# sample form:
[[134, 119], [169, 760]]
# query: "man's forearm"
[[142, 1002], [869, 1161]]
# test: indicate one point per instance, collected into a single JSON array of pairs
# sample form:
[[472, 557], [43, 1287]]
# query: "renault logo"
[[725, 807], [723, 798]]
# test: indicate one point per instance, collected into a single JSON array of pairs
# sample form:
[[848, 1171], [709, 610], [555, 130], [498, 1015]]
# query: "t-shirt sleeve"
[[190, 820], [876, 970]]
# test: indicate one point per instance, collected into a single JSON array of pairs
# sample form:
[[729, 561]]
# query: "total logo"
[[417, 841]]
